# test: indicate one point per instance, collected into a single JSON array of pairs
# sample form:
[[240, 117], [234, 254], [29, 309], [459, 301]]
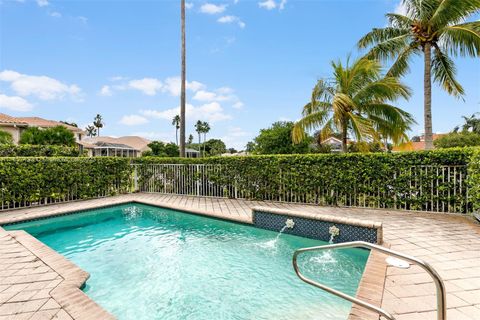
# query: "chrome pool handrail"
[[440, 287]]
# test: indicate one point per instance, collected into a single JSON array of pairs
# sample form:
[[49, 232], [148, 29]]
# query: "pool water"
[[153, 263]]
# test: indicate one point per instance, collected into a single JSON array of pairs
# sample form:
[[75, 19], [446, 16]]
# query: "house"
[[334, 144], [192, 153], [415, 145], [12, 125], [128, 146], [16, 125]]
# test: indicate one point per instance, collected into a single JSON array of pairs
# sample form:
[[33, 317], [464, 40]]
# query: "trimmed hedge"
[[474, 179], [26, 150], [27, 181], [410, 180]]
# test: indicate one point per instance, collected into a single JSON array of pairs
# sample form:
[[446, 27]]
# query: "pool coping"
[[68, 293], [76, 302]]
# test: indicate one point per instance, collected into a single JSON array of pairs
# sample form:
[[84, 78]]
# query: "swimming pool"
[[147, 262]]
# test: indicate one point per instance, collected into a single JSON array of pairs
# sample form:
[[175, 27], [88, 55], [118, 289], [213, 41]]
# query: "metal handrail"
[[441, 295]]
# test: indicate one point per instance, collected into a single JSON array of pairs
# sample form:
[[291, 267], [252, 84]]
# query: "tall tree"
[[91, 131], [199, 130], [356, 102], [427, 25], [176, 123], [190, 139], [205, 130], [98, 123], [183, 85], [472, 124]]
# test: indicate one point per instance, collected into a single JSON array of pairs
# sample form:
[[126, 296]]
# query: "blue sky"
[[250, 63]]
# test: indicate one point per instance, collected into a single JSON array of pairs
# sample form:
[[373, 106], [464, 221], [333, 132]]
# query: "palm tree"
[[199, 130], [98, 123], [357, 102], [176, 123], [190, 139], [428, 25], [205, 130], [471, 123], [91, 131], [183, 85]]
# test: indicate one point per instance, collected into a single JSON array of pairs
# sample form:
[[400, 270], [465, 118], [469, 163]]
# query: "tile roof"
[[4, 118], [44, 123]]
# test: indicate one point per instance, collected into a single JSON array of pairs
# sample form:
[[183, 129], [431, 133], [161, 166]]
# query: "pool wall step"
[[317, 226]]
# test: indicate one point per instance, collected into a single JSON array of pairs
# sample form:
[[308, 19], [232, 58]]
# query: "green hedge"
[[28, 181], [474, 179], [410, 180], [25, 150]]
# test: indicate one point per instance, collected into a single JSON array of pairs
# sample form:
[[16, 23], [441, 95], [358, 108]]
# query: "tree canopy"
[[58, 135], [278, 140]]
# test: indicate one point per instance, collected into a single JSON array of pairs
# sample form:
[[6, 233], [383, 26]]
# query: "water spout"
[[333, 231]]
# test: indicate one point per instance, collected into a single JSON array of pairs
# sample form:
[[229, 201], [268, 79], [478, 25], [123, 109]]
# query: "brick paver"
[[451, 244]]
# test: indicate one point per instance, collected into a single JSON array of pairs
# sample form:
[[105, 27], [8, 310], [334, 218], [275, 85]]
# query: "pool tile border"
[[68, 293], [317, 226], [80, 306]]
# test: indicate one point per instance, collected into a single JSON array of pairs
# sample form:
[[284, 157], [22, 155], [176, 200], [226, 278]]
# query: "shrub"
[[25, 181], [458, 139], [410, 180], [474, 179], [25, 150], [58, 135], [5, 138]]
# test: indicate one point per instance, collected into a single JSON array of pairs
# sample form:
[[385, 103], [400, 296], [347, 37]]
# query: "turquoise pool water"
[[153, 263]]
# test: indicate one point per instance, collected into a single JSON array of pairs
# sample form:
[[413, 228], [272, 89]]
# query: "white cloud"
[[210, 8], [232, 19], [14, 103], [238, 105], [117, 78], [42, 3], [133, 120], [272, 4], [42, 87], [148, 86], [268, 4], [106, 91], [221, 94], [152, 86], [189, 5], [203, 95], [212, 112], [55, 14], [83, 19], [173, 86]]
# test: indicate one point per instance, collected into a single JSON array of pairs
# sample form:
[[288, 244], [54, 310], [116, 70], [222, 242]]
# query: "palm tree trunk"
[[176, 136], [344, 138], [182, 95], [427, 103], [204, 140]]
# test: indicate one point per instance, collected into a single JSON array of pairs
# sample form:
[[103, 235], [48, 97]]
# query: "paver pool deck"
[[38, 283]]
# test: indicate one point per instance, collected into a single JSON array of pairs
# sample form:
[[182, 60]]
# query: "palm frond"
[[401, 65], [453, 11], [444, 71], [462, 39], [310, 122], [388, 88], [360, 127], [380, 35], [399, 21]]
